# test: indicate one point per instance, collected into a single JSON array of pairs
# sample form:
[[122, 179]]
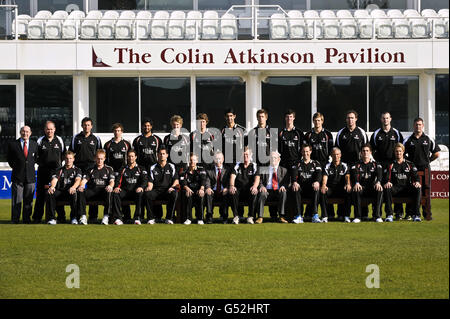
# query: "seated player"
[[99, 182], [192, 182], [402, 180], [335, 182], [162, 184], [244, 182], [63, 186], [366, 177], [130, 184], [305, 180], [217, 182]]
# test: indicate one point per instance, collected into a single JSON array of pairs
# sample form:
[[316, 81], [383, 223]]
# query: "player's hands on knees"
[[295, 186], [51, 190], [117, 190], [324, 189], [80, 189], [72, 190], [201, 192], [139, 190], [254, 190], [263, 190], [189, 191], [417, 185], [316, 186], [109, 189], [357, 187], [209, 191], [282, 189], [378, 187], [388, 185]]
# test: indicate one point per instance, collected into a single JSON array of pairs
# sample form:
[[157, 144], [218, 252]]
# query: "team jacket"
[[289, 145], [194, 180], [366, 174], [116, 153], [147, 149], [306, 174], [50, 154], [131, 178], [351, 143], [403, 174], [66, 177], [383, 144], [162, 177], [419, 150], [245, 177], [321, 143], [336, 174], [178, 145], [202, 144], [233, 138], [99, 178], [85, 148]]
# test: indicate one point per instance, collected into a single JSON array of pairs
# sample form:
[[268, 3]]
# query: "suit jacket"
[[22, 168], [211, 180], [282, 174]]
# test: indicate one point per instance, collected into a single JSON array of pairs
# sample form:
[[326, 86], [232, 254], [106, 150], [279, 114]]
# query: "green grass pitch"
[[226, 261]]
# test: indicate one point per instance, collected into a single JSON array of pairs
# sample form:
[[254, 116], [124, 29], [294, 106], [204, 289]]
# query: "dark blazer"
[[22, 168], [282, 174], [211, 177]]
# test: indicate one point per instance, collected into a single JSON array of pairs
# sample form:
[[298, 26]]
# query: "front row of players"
[[226, 186]]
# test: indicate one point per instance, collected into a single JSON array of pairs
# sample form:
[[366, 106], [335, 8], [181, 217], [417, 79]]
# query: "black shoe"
[[92, 221], [209, 220], [365, 219], [225, 221]]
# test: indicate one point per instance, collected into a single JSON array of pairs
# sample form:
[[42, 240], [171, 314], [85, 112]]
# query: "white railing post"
[[16, 14]]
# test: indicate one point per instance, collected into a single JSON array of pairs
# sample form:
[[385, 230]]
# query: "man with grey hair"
[[274, 181], [21, 156]]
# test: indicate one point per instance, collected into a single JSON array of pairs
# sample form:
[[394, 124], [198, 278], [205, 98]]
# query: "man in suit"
[[21, 156], [217, 184], [273, 185]]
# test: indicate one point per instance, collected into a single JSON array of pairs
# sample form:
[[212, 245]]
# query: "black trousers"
[[376, 203], [305, 191], [160, 194], [93, 209], [337, 191], [216, 197], [118, 211], [21, 193], [62, 195], [42, 182], [409, 207], [399, 190], [272, 195], [188, 203], [98, 193], [246, 196]]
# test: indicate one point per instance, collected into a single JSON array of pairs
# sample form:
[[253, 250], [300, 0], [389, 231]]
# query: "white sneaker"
[[347, 220], [169, 222], [118, 222], [200, 222], [325, 220], [137, 222], [379, 220], [51, 222], [356, 220], [298, 220], [151, 222], [74, 221], [316, 219], [83, 220], [389, 219], [417, 219], [236, 220], [250, 220], [187, 222], [105, 220]]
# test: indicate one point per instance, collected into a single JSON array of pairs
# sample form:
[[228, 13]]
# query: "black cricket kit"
[[383, 145], [194, 180], [335, 183], [84, 149], [306, 174], [116, 153], [321, 144], [419, 150], [289, 146], [201, 144], [147, 150], [178, 146], [245, 178], [351, 143], [260, 144], [233, 140]]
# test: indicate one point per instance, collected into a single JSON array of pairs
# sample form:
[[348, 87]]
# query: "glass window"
[[114, 100], [120, 4], [434, 4], [7, 118], [9, 76], [215, 95], [3, 13], [334, 5], [286, 4], [53, 5], [24, 6], [399, 95], [170, 5], [384, 4], [442, 109], [161, 98], [49, 98], [338, 94], [282, 93], [218, 4]]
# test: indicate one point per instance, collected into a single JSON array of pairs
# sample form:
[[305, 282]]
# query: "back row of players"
[[143, 175]]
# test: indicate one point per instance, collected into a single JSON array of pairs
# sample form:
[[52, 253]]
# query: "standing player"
[[99, 182], [85, 145], [50, 155], [383, 142], [202, 142], [421, 150], [177, 144], [233, 139], [290, 141], [63, 186]]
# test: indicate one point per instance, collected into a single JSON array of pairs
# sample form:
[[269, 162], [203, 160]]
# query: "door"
[[8, 121]]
